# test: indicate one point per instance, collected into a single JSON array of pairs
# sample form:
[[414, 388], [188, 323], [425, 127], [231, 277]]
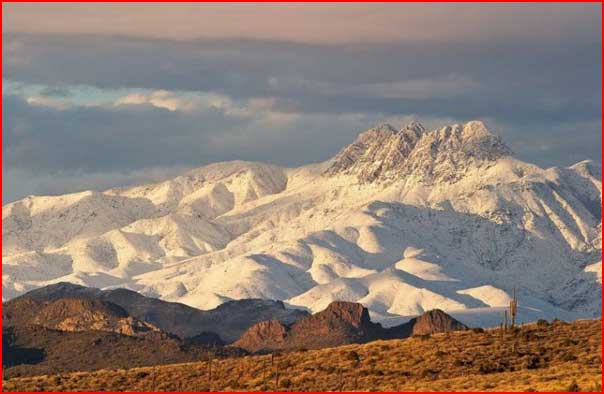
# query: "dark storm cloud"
[[531, 81]]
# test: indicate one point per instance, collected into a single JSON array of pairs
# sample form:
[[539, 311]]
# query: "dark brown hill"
[[434, 321], [228, 320], [341, 323], [72, 314], [84, 334], [34, 350]]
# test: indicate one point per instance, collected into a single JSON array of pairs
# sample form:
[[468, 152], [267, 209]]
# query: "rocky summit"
[[73, 315], [339, 324], [382, 153]]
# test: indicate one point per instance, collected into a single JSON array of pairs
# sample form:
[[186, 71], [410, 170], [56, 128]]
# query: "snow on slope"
[[401, 221]]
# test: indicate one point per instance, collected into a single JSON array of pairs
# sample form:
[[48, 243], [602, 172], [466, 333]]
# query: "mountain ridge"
[[228, 321], [453, 220]]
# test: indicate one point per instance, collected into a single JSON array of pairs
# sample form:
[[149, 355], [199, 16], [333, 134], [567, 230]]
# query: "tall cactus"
[[514, 308], [505, 320]]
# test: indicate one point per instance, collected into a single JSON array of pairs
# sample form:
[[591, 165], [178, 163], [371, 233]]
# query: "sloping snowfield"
[[402, 221]]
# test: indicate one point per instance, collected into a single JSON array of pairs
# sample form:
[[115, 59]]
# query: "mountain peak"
[[382, 130], [339, 324], [476, 126], [351, 312], [413, 126], [381, 153], [435, 321]]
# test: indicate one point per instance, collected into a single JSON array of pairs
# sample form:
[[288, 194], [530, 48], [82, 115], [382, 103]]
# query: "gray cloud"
[[50, 150], [294, 102], [529, 81]]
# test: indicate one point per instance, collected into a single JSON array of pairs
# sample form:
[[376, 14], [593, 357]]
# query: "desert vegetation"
[[544, 356]]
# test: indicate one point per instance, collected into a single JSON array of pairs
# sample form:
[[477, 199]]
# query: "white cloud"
[[259, 111], [161, 99], [46, 101]]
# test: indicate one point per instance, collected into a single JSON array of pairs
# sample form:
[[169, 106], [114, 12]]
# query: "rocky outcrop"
[[228, 320], [432, 322], [267, 335], [341, 323], [382, 153], [71, 334], [377, 152], [32, 350], [90, 315]]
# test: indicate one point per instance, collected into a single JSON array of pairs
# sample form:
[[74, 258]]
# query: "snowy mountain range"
[[402, 221]]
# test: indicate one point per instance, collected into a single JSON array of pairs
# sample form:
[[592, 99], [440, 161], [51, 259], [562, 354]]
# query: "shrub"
[[234, 384], [429, 373], [330, 369], [542, 323], [573, 387], [489, 366], [423, 337], [568, 342], [353, 356], [531, 362], [478, 330], [568, 357], [286, 383]]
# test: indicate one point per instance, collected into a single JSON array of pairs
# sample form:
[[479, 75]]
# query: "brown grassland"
[[537, 357]]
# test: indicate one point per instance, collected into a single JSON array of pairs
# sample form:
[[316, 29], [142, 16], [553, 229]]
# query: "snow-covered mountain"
[[402, 221]]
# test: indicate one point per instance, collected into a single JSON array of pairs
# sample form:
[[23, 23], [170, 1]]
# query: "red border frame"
[[312, 1]]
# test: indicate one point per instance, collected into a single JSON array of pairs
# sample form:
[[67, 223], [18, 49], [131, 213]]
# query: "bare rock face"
[[434, 321], [377, 152], [382, 153], [90, 315], [266, 335], [341, 323], [340, 312], [74, 334]]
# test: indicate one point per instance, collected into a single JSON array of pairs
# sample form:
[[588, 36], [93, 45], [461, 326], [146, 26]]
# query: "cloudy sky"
[[101, 95]]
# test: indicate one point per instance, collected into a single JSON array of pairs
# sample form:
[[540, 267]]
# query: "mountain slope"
[[228, 320], [76, 334], [75, 315], [400, 221]]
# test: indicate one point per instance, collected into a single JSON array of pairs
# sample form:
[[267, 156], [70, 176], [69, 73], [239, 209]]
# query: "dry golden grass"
[[535, 358]]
